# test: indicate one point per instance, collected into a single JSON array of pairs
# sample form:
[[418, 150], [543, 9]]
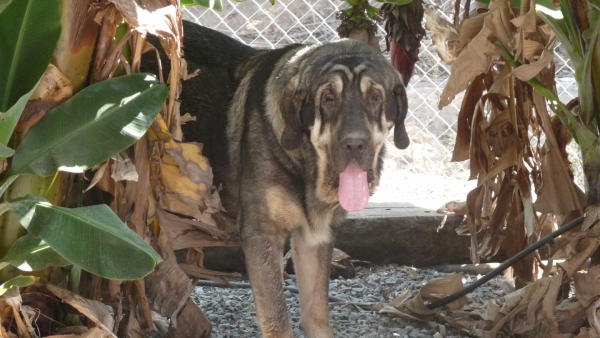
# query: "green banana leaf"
[[584, 52], [93, 238], [20, 281], [98, 122], [32, 254], [9, 120], [29, 30]]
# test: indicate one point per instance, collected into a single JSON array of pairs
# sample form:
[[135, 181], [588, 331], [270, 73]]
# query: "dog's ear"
[[291, 105], [397, 110]]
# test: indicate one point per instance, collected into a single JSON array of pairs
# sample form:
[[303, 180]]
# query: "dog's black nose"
[[354, 146]]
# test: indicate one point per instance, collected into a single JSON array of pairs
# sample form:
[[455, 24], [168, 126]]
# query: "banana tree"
[[47, 134]]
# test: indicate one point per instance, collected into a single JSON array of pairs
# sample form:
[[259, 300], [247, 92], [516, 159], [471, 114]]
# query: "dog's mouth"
[[353, 186]]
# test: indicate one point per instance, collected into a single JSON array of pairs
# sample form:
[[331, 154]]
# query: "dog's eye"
[[375, 98], [327, 97]]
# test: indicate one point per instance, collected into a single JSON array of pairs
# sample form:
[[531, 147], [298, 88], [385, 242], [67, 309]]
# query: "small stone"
[[224, 327]]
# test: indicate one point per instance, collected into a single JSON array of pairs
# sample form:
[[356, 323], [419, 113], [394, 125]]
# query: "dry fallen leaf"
[[168, 288], [586, 247], [95, 311], [585, 332], [570, 315], [458, 208], [412, 305], [390, 310], [442, 287], [94, 332], [592, 217], [593, 319], [587, 285]]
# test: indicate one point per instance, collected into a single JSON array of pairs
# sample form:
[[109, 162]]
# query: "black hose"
[[508, 263]]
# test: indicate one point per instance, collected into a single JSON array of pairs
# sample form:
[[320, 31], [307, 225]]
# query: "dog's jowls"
[[295, 136]]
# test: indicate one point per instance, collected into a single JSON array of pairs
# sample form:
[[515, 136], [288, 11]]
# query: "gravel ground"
[[232, 313]]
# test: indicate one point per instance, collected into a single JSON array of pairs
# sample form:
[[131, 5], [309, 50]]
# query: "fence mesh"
[[432, 131]]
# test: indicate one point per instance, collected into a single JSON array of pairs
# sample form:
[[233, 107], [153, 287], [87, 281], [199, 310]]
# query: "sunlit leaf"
[[5, 152], [4, 4], [212, 4], [31, 254], [106, 118], [93, 238], [20, 281], [29, 30]]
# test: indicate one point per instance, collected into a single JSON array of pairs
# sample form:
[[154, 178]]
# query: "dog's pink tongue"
[[354, 188]]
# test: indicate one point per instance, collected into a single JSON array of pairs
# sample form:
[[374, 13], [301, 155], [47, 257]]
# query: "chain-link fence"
[[432, 131]]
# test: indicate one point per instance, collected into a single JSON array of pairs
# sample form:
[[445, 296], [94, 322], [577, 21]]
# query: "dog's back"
[[208, 95], [212, 49], [223, 63]]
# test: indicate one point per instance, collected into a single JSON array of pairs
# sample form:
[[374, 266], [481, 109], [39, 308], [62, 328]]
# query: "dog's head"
[[344, 97]]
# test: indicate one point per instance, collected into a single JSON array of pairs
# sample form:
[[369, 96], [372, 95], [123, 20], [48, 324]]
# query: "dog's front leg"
[[264, 262], [312, 264]]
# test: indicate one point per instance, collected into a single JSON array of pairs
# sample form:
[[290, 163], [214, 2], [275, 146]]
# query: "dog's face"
[[345, 98]]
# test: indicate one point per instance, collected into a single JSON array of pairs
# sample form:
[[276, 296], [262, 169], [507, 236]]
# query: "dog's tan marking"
[[379, 136], [314, 305], [324, 191], [343, 69], [360, 68], [320, 231], [284, 210]]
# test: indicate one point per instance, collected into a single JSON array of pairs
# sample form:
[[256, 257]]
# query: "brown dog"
[[296, 137]]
